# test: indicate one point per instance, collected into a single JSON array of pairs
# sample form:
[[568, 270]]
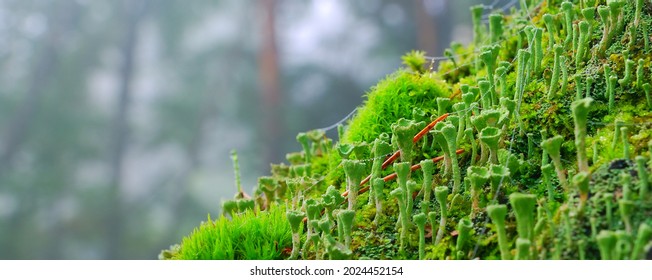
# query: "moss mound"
[[248, 236], [404, 94], [531, 143]]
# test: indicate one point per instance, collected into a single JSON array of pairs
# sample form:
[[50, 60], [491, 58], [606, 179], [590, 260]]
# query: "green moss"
[[248, 236], [392, 99], [523, 99]]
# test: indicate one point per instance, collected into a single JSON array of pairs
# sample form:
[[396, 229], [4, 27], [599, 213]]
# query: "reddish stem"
[[416, 138], [391, 177]]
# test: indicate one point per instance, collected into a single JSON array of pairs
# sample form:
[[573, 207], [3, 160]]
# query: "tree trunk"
[[426, 30], [270, 83], [21, 122], [134, 11], [18, 128]]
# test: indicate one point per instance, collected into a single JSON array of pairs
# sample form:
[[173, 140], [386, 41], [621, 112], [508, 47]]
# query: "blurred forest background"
[[117, 117]]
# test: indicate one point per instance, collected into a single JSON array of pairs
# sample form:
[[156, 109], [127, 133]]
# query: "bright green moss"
[[248, 236], [391, 99], [519, 108]]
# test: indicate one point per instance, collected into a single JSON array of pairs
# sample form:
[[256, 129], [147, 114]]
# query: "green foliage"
[[415, 60], [517, 111], [248, 236], [391, 99]]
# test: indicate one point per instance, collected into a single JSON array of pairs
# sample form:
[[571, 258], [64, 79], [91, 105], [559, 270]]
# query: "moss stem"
[[497, 214], [580, 109], [441, 194], [420, 221], [464, 227]]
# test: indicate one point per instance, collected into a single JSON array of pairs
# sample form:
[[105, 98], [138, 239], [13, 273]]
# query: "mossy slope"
[[544, 143]]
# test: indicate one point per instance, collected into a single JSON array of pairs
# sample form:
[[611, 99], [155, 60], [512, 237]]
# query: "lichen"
[[556, 120]]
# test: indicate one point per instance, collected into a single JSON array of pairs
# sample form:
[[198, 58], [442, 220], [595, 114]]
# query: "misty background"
[[117, 117]]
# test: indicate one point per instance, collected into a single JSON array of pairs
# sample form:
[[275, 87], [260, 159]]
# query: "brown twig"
[[416, 138], [392, 177]]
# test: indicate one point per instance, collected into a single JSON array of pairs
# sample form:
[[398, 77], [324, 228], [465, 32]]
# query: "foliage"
[[391, 99], [524, 122], [248, 236]]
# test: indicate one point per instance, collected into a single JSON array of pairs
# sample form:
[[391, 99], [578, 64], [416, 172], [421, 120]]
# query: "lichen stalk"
[[523, 249], [624, 132], [464, 227], [640, 68], [611, 85], [404, 131], [474, 147], [580, 109], [523, 205], [378, 184], [380, 148], [567, 8], [303, 139], [628, 76], [399, 194], [347, 217], [497, 214], [548, 21], [556, 70], [582, 43], [603, 12], [478, 176], [450, 134], [420, 221], [626, 208], [547, 171], [564, 76], [581, 182], [442, 142], [354, 171], [523, 57], [552, 147], [495, 27], [296, 220], [643, 237], [607, 244], [432, 217], [623, 245], [459, 108], [441, 194], [490, 136], [427, 166]]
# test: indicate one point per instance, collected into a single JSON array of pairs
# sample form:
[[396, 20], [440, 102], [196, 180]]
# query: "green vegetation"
[[261, 236], [545, 199]]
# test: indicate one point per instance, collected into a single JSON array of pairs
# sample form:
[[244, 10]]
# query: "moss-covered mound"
[[531, 143], [254, 236]]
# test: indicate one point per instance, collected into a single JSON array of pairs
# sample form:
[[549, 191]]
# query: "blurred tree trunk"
[[444, 25], [21, 122], [434, 24], [426, 30], [270, 83], [134, 11]]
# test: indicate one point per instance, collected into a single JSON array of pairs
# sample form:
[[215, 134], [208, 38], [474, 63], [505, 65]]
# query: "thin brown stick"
[[391, 177], [416, 138], [429, 127]]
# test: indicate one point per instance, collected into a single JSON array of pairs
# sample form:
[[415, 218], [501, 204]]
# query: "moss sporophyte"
[[496, 129]]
